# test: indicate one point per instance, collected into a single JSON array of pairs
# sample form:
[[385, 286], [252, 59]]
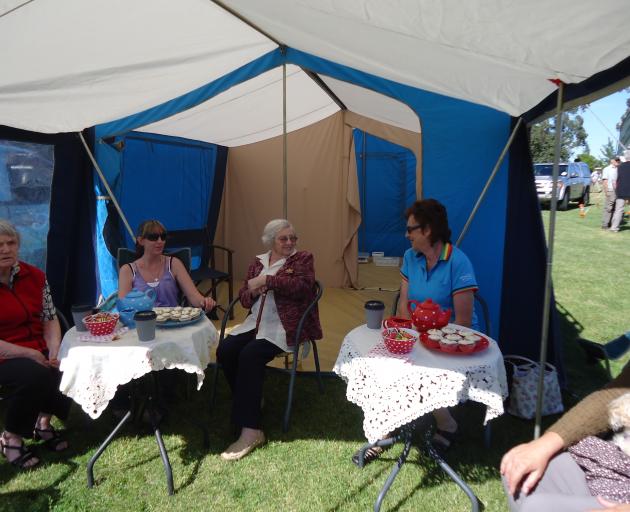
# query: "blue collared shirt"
[[452, 274]]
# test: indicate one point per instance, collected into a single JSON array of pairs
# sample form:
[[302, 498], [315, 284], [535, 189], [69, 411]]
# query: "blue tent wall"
[[155, 177], [386, 189], [70, 258]]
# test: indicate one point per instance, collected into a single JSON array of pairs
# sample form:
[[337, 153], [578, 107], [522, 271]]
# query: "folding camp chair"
[[295, 354], [606, 351]]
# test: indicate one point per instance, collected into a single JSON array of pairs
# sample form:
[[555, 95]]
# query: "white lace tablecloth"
[[93, 371], [394, 389]]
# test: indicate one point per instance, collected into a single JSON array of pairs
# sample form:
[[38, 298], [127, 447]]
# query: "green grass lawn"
[[309, 468]]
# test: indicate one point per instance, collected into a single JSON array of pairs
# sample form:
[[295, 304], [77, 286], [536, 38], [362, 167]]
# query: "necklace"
[[153, 275]]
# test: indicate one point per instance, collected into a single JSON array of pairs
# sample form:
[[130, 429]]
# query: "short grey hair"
[[8, 229], [272, 228]]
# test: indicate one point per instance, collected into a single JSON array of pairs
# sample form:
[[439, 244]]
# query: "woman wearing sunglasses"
[[434, 269], [277, 290], [165, 274]]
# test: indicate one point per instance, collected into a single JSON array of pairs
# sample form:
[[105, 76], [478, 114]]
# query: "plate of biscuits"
[[177, 316]]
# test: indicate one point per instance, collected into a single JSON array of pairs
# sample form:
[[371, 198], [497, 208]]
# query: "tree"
[[591, 161], [608, 151], [542, 137]]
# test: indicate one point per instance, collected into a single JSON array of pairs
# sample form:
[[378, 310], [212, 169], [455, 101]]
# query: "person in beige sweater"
[[541, 475]]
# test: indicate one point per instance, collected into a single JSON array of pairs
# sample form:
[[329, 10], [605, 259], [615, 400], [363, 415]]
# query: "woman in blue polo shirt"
[[434, 269]]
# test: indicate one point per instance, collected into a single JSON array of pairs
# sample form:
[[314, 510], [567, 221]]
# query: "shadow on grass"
[[356, 492], [583, 376], [35, 498]]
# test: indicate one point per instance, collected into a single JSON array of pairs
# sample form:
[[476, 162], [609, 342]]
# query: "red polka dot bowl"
[[101, 324], [399, 340]]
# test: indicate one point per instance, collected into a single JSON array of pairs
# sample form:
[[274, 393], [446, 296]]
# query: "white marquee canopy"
[[74, 64]]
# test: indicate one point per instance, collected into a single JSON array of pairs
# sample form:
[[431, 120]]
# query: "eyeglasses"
[[154, 236], [285, 239], [411, 229]]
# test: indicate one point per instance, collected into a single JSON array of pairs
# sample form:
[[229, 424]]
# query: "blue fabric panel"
[[110, 161], [193, 98], [387, 184], [456, 162], [168, 180]]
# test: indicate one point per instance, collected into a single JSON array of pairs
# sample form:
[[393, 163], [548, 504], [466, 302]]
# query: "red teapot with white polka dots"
[[427, 315]]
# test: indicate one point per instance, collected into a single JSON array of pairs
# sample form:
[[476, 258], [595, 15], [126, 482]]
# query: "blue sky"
[[609, 111]]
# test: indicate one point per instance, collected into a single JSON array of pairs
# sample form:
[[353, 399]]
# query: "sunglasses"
[[285, 239], [154, 236], [411, 229]]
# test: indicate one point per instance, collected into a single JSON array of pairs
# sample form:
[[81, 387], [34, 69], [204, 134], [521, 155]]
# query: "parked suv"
[[574, 183]]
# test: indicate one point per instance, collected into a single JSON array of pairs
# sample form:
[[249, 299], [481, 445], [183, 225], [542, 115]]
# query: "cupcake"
[[448, 345], [437, 332], [433, 340], [184, 318], [453, 337], [473, 337], [195, 312], [448, 330], [467, 344], [160, 319], [463, 332]]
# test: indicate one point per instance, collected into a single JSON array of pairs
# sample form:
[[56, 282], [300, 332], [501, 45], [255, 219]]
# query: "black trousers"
[[244, 358], [32, 388]]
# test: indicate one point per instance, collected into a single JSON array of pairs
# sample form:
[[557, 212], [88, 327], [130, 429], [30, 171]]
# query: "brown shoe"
[[241, 448]]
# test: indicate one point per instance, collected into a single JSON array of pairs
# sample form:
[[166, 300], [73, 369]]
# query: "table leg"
[[407, 435], [101, 449], [428, 446], [167, 464]]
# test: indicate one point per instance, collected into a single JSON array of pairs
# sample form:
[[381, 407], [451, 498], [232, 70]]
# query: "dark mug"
[[79, 312], [374, 310], [145, 325]]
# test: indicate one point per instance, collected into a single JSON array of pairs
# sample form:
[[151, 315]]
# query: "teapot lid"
[[134, 293], [429, 304]]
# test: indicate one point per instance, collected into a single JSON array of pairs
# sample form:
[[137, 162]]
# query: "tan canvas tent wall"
[[323, 196]]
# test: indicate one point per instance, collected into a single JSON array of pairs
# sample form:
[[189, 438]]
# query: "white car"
[[574, 183]]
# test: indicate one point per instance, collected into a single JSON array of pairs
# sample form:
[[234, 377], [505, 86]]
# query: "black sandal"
[[21, 461], [372, 453], [438, 443], [53, 442]]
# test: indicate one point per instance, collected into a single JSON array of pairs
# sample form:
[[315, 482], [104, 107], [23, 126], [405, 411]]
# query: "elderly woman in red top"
[[277, 290], [29, 342]]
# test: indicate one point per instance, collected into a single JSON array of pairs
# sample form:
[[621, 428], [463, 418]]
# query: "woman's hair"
[[432, 214], [8, 229], [272, 228], [145, 228]]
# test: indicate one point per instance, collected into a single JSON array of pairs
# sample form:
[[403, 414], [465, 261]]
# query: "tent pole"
[[544, 338], [284, 141], [489, 182], [106, 185]]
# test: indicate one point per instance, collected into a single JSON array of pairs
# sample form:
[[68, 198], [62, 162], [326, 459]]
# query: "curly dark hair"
[[431, 213]]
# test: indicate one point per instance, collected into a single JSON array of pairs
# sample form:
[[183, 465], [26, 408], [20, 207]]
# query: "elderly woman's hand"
[[257, 282], [37, 356], [524, 465]]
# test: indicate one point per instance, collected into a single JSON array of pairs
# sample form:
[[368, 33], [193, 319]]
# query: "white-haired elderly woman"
[[30, 336], [281, 282]]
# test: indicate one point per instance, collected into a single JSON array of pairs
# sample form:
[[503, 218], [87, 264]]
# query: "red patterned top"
[[293, 287]]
